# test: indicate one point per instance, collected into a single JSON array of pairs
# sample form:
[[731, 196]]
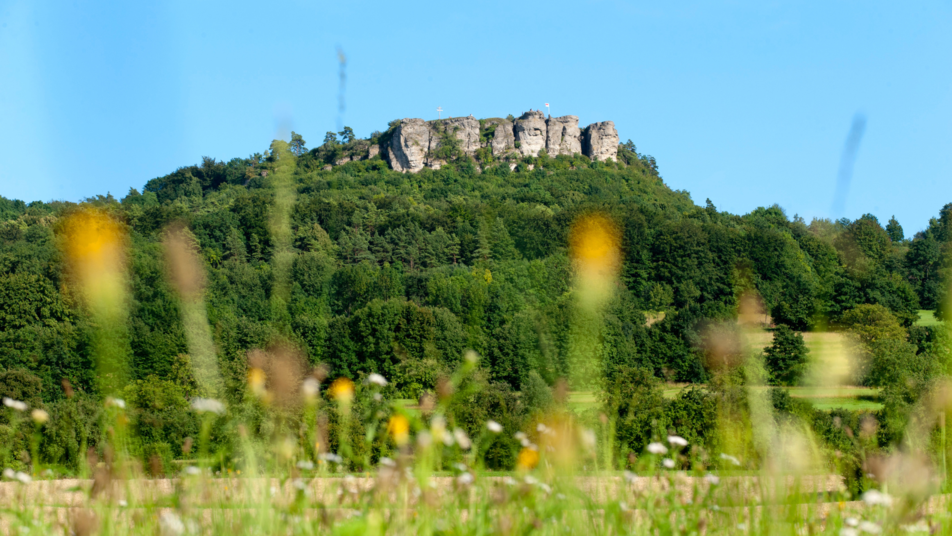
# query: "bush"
[[498, 402], [693, 416], [21, 385], [892, 362], [633, 397], [536, 396]]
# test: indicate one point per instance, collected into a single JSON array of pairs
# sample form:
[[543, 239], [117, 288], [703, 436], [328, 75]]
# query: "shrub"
[[536, 395], [633, 397], [693, 416]]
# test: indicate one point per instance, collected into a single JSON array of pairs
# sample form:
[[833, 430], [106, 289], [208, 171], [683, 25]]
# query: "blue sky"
[[746, 103]]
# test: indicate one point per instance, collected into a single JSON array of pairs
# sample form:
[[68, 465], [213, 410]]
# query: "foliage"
[[871, 323], [786, 357]]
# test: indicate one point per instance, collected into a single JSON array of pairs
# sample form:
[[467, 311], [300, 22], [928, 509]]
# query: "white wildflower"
[[208, 405], [493, 427], [677, 441], [509, 481], [523, 439], [545, 487], [14, 404], [310, 388], [729, 458], [300, 484], [122, 503], [531, 480], [541, 428], [116, 402], [170, 524], [462, 439], [40, 416], [424, 439], [9, 474], [305, 465], [387, 462], [712, 479], [630, 477], [465, 479], [919, 526], [192, 470], [851, 521], [875, 497], [331, 457], [849, 531], [376, 379], [22, 477], [588, 439], [657, 448], [668, 462], [870, 527]]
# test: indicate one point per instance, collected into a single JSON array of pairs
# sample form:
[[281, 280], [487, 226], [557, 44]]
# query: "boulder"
[[409, 145], [600, 141], [530, 132], [563, 136]]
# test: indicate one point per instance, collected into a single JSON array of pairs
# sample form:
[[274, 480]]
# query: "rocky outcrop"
[[373, 151], [600, 141], [415, 143], [504, 140], [530, 133], [466, 130], [563, 136], [409, 145]]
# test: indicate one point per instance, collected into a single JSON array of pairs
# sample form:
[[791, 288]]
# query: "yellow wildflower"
[[528, 458], [399, 428], [343, 390], [256, 380]]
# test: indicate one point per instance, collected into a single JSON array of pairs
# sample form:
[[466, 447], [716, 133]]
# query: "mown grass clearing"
[[927, 318]]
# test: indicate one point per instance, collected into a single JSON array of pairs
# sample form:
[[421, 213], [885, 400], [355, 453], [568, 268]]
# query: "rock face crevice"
[[415, 143]]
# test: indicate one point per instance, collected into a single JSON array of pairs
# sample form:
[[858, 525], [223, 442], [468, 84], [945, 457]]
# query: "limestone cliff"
[[600, 141], [414, 143], [504, 140], [563, 136], [530, 133], [409, 145]]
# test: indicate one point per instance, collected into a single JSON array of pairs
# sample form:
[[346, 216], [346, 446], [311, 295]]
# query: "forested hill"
[[400, 273]]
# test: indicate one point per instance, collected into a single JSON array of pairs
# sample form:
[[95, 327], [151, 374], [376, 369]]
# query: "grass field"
[[927, 318], [825, 398]]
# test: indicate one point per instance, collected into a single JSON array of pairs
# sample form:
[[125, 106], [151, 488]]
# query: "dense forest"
[[401, 274]]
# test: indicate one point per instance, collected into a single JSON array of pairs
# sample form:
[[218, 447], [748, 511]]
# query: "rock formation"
[[466, 130], [530, 132], [563, 136], [504, 140], [600, 141], [409, 145], [415, 143]]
